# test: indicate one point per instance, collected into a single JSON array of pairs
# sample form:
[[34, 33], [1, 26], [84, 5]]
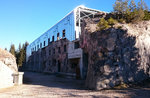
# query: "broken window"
[[41, 45], [49, 62], [49, 51], [64, 48], [37, 47], [57, 36], [64, 31], [52, 38], [44, 43], [76, 45], [54, 51], [48, 41], [59, 50]]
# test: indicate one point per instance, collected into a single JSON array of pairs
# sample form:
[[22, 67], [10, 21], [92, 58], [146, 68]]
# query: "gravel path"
[[38, 85]]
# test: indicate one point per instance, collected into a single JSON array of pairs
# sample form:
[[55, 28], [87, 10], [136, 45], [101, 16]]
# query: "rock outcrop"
[[8, 67], [120, 54], [9, 60]]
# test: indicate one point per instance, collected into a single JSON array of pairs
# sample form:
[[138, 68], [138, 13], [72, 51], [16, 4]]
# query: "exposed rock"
[[116, 55], [8, 66], [8, 59]]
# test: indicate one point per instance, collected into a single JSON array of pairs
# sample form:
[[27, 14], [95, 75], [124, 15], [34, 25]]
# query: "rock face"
[[8, 66], [117, 55]]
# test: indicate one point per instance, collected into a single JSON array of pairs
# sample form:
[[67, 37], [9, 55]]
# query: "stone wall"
[[53, 58], [117, 55]]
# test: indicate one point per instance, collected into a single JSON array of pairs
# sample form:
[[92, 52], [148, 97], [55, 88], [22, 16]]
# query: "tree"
[[21, 54], [6, 49], [131, 12], [12, 50]]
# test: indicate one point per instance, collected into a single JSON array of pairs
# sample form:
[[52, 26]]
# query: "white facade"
[[70, 24]]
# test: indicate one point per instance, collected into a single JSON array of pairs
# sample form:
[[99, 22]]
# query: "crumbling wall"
[[53, 58], [117, 55]]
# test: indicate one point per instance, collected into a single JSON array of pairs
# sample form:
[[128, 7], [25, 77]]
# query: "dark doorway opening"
[[59, 67], [76, 67], [85, 65]]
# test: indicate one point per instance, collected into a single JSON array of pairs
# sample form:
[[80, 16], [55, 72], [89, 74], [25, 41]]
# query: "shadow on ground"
[[77, 89], [52, 80]]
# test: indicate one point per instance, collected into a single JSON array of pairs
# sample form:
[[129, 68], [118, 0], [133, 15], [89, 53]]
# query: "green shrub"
[[147, 15], [111, 22], [102, 24]]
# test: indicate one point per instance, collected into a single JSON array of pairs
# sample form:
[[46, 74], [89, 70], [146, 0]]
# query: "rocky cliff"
[[9, 60], [120, 54], [8, 66]]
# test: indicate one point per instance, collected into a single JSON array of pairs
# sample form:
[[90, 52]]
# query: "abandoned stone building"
[[106, 58], [58, 49]]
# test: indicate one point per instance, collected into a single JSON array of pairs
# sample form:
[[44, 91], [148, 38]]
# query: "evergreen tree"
[[6, 49], [12, 50], [131, 12], [21, 58]]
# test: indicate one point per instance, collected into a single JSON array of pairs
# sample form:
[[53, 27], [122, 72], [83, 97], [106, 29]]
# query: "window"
[[48, 41], [49, 51], [52, 38], [44, 43], [59, 50], [57, 36], [40, 45], [54, 51], [37, 47], [64, 48], [76, 45], [49, 62], [64, 31]]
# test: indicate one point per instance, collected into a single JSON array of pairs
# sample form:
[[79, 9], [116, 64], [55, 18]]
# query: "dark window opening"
[[41, 45], [52, 38], [53, 51], [54, 62], [57, 36], [49, 62], [35, 48], [48, 41], [64, 48], [64, 31], [59, 66], [49, 51], [44, 43], [76, 45], [77, 24], [59, 50]]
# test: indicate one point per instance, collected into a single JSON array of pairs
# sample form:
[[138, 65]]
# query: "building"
[[58, 50]]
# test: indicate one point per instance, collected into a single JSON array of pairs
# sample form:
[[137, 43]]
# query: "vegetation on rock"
[[125, 12], [130, 11]]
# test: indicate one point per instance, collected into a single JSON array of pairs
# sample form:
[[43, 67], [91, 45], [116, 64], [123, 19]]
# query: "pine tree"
[[12, 50], [6, 49]]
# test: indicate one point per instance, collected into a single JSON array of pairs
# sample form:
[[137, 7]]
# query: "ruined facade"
[[104, 58], [58, 49]]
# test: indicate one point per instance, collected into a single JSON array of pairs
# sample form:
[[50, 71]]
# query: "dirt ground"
[[38, 85]]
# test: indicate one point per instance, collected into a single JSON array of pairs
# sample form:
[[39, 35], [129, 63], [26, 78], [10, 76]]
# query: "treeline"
[[125, 11], [131, 11], [19, 53]]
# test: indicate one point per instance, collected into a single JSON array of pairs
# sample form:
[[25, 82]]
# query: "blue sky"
[[26, 20]]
